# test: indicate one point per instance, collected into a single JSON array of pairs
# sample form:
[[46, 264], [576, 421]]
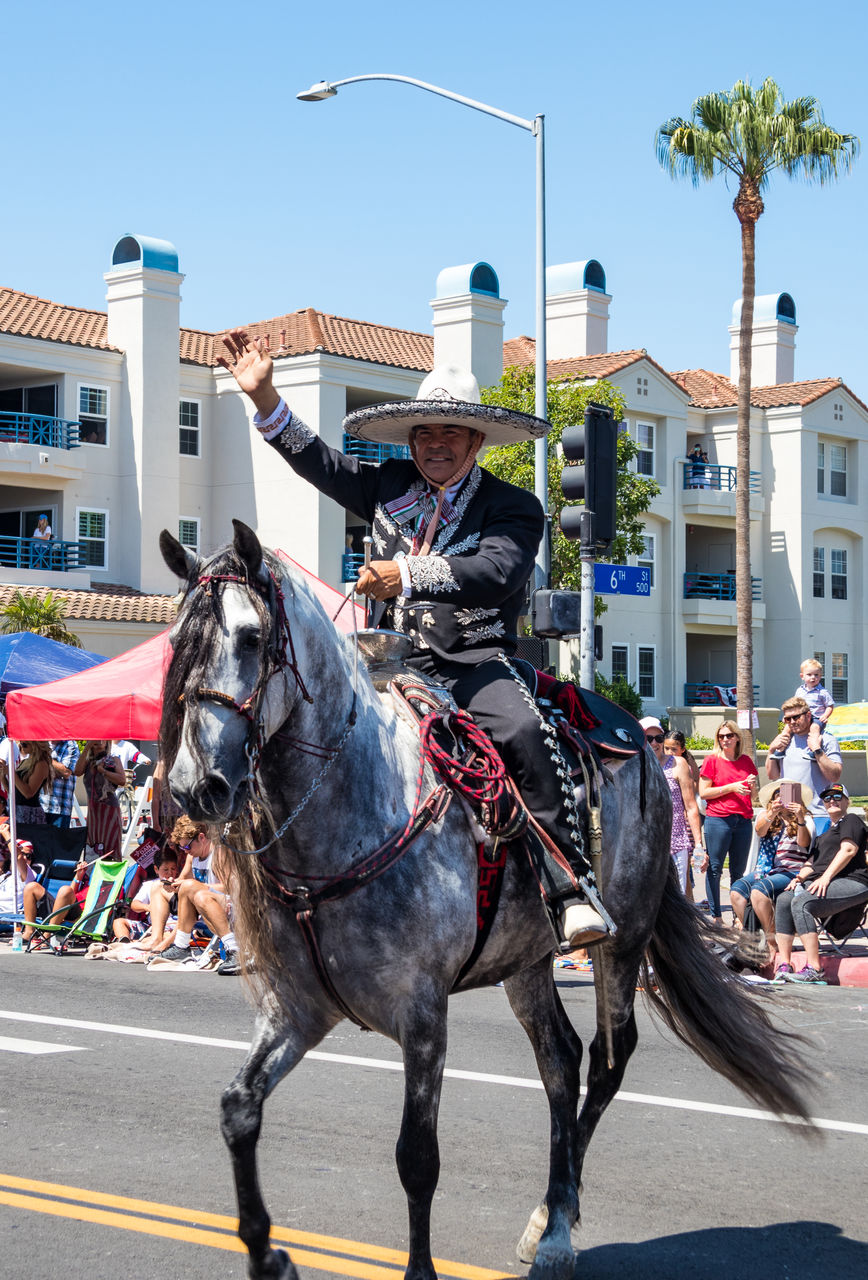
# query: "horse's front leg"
[[547, 1241], [275, 1051], [423, 1041]]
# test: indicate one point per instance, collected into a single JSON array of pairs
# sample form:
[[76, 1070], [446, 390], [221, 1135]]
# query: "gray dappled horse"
[[263, 692]]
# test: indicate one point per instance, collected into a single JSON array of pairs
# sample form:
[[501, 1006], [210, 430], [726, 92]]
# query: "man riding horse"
[[456, 547]]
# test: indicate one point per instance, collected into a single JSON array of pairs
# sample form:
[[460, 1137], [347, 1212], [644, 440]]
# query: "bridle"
[[280, 659]]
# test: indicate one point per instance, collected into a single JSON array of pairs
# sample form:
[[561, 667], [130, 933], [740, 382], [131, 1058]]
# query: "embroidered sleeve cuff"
[[285, 428], [431, 573]]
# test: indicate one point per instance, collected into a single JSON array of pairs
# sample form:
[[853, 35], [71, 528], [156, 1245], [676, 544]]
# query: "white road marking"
[[9, 1044], [477, 1077]]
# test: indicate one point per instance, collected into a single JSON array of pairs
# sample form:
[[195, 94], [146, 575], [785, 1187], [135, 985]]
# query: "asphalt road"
[[112, 1164]]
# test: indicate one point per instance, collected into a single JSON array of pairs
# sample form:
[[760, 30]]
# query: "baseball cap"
[[651, 722], [836, 789]]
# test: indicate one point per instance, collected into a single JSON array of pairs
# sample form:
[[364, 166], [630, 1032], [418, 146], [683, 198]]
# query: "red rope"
[[480, 776]]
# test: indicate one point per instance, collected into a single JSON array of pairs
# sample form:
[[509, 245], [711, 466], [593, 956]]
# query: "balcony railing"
[[707, 475], [38, 428], [702, 693], [351, 563], [368, 451], [36, 553], [716, 586]]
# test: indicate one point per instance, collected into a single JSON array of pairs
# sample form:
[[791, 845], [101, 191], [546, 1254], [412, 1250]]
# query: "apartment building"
[[120, 423]]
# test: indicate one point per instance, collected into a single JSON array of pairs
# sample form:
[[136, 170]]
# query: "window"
[[839, 574], [645, 441], [819, 573], [619, 661], [188, 532], [838, 412], [840, 682], [188, 433], [646, 560], [93, 414], [647, 682], [93, 535], [821, 467], [641, 386], [838, 470], [821, 658]]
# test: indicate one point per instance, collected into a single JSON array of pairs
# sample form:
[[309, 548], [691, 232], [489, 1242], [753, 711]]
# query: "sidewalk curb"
[[839, 971]]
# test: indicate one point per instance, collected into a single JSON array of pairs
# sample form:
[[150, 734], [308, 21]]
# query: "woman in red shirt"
[[727, 782]]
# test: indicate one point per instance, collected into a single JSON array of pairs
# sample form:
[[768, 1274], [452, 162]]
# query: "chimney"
[[577, 310], [774, 340], [468, 321]]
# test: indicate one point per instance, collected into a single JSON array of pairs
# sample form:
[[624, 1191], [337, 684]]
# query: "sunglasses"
[[794, 718], [185, 848], [835, 799], [653, 737], [724, 737]]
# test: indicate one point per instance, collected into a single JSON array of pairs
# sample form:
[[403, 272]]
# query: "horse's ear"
[[249, 548], [183, 562]]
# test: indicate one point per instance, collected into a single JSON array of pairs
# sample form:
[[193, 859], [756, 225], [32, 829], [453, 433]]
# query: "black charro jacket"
[[468, 593]]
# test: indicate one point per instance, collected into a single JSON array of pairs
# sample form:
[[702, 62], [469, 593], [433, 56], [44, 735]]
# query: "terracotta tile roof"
[[111, 603], [522, 351], [32, 317], [199, 347], [309, 330], [714, 391]]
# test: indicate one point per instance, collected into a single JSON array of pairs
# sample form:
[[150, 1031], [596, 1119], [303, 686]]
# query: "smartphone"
[[790, 793]]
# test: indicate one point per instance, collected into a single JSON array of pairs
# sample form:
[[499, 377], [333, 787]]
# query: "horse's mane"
[[194, 640]]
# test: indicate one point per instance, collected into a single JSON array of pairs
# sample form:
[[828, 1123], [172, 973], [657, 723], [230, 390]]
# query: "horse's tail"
[[715, 1014]]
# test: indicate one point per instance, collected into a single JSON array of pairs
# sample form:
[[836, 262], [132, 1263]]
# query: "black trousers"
[[503, 707]]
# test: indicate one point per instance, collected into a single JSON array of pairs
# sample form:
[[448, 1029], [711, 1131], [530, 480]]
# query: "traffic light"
[[595, 447]]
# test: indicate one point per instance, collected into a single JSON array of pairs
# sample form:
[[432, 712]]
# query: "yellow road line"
[[219, 1238]]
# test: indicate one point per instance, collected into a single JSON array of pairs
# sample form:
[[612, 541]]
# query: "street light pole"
[[328, 89]]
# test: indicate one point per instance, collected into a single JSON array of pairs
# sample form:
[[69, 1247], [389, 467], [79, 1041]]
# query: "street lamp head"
[[316, 92]]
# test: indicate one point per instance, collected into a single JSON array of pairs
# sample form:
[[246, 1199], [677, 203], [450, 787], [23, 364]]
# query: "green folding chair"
[[105, 892]]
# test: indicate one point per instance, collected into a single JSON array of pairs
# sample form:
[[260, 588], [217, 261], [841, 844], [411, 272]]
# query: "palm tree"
[[44, 617], [749, 133]]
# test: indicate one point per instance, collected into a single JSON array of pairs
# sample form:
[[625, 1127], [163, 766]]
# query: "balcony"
[[716, 586], [39, 429], [351, 563], [368, 451], [707, 475], [702, 693], [34, 553]]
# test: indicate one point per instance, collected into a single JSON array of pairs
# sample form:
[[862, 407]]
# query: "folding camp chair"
[[838, 945], [105, 892]]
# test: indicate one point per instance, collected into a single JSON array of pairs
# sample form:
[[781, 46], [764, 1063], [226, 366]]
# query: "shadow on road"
[[785, 1251]]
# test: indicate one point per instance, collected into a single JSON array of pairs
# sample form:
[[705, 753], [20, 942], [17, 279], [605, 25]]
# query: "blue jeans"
[[731, 835], [769, 885]]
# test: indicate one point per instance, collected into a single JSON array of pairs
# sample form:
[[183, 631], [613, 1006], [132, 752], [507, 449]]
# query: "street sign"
[[621, 580]]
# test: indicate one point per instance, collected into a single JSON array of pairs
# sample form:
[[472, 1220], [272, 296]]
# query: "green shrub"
[[621, 692]]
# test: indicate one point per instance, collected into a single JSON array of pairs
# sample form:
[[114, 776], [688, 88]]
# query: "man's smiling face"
[[439, 451]]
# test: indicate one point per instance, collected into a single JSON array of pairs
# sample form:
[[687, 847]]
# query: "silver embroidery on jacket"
[[464, 498], [464, 617], [427, 619], [432, 573], [296, 436], [494, 632], [470, 543]]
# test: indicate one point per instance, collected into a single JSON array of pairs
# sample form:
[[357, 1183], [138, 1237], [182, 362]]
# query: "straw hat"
[[449, 396], [767, 793]]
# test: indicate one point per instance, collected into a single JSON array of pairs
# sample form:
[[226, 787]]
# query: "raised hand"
[[249, 361]]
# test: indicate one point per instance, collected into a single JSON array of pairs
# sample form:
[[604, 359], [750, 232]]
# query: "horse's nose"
[[211, 798]]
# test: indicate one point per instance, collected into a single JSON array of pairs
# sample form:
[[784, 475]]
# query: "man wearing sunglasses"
[[832, 886], [804, 752]]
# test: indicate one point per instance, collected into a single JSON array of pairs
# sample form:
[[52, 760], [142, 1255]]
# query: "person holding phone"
[[727, 783], [103, 774], [785, 843]]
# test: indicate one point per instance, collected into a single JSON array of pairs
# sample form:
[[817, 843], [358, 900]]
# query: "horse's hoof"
[[557, 1262], [276, 1265], [526, 1248]]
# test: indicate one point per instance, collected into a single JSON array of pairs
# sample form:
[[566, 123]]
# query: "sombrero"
[[449, 396]]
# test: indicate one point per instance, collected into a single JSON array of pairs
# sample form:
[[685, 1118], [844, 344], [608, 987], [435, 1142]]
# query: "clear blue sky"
[[180, 121]]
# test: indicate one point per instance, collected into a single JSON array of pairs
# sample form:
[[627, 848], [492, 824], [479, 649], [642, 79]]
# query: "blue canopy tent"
[[27, 659]]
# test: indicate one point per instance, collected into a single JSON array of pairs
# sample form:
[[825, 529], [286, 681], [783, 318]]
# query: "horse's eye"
[[249, 640]]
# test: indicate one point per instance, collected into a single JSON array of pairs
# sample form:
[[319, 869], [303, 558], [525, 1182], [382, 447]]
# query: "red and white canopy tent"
[[123, 698]]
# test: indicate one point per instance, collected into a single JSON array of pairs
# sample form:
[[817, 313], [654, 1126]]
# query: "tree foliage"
[[43, 616], [515, 462]]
